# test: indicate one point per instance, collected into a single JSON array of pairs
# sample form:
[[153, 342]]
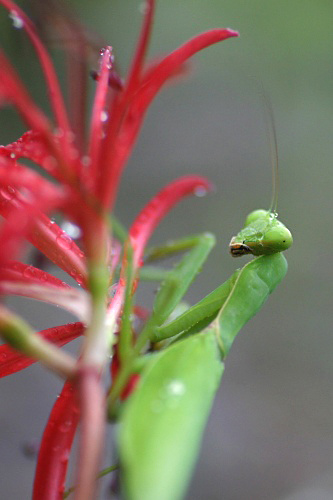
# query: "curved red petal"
[[56, 444], [32, 145], [145, 223], [16, 271], [97, 119], [157, 75], [55, 243], [159, 206], [47, 66], [11, 88], [138, 59], [28, 221], [119, 141], [12, 361]]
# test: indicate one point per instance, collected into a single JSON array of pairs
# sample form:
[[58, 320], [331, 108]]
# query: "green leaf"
[[163, 421]]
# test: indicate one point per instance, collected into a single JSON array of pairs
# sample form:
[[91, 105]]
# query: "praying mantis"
[[169, 408], [263, 235]]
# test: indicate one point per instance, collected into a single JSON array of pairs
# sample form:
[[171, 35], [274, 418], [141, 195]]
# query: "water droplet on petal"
[[30, 272], [17, 21], [50, 163], [86, 161], [200, 191], [64, 241], [104, 116], [71, 229], [12, 155], [143, 7], [58, 132]]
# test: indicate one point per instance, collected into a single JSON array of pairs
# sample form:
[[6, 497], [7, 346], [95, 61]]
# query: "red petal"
[[24, 220], [32, 146], [97, 123], [12, 89], [27, 221], [145, 223], [12, 361], [23, 177], [53, 242], [138, 60], [18, 272], [159, 206], [20, 217], [158, 74], [47, 66], [119, 142], [55, 447]]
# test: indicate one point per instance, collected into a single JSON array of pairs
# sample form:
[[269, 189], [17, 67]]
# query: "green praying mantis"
[[263, 235], [182, 369]]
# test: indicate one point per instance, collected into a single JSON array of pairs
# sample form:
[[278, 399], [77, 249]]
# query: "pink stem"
[[92, 432]]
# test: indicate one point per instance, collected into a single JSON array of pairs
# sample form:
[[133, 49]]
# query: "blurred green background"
[[270, 435]]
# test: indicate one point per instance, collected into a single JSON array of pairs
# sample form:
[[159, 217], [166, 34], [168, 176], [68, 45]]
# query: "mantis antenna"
[[271, 133], [263, 233]]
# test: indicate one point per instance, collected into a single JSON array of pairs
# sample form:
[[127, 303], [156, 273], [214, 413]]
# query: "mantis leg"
[[177, 280]]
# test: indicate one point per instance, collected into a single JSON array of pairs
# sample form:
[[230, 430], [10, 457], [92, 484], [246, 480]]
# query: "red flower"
[[82, 184]]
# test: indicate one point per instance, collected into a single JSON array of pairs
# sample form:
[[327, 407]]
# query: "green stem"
[[96, 345], [19, 335], [125, 337], [103, 473]]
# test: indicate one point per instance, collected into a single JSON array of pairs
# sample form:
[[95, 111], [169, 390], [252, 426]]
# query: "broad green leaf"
[[163, 421]]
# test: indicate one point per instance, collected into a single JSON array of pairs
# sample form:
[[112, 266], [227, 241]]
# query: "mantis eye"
[[278, 238]]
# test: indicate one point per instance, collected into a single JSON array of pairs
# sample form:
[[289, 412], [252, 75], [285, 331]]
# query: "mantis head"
[[263, 234]]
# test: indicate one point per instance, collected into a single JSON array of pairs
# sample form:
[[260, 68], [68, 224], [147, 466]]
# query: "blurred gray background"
[[270, 435]]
